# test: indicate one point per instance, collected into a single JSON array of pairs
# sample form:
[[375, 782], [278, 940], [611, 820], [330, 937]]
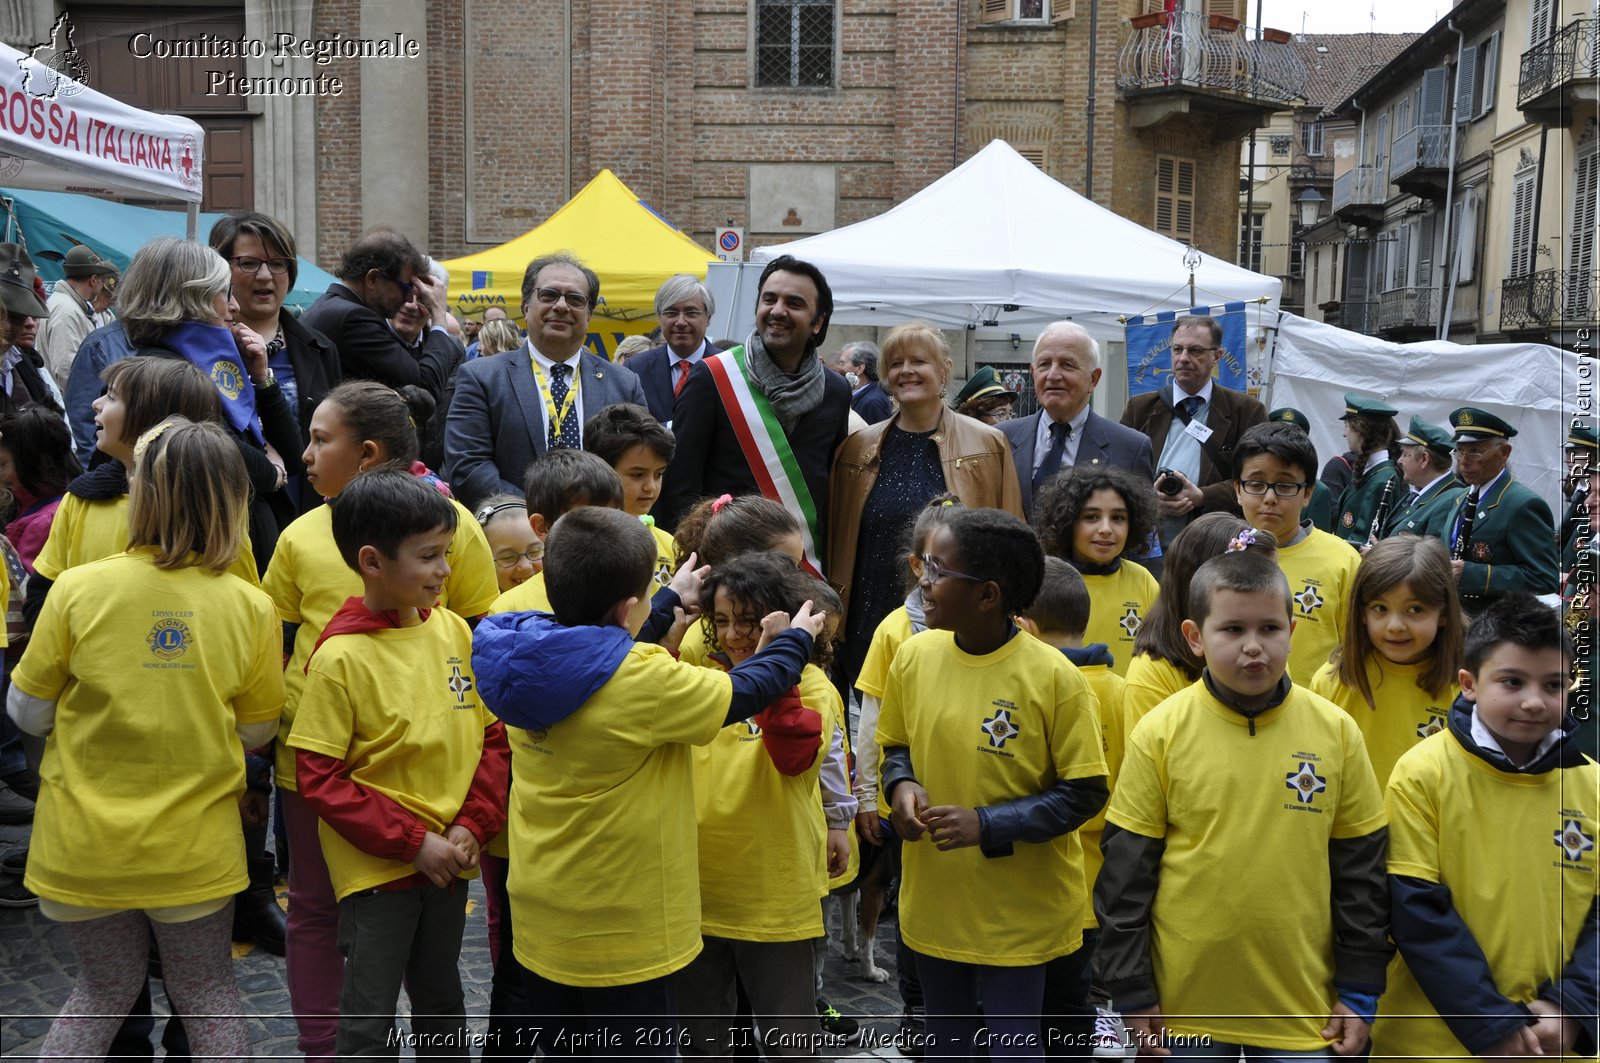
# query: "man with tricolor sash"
[[765, 417]]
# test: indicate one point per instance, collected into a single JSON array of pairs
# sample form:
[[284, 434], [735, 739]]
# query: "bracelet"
[[270, 382]]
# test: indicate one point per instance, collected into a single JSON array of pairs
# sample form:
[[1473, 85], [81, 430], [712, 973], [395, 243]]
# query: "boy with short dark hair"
[[1277, 471], [404, 766], [631, 441], [1244, 786], [563, 479], [1492, 859], [604, 881]]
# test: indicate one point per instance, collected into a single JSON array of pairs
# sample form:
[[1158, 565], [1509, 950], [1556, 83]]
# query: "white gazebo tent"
[[60, 135]]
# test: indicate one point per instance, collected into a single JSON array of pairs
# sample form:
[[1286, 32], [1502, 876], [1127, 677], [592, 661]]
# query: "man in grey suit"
[[1066, 432], [510, 409]]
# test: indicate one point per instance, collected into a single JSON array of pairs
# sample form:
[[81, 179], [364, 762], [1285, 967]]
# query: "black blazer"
[[654, 370], [1103, 442], [709, 462], [872, 403], [369, 350], [1231, 413]]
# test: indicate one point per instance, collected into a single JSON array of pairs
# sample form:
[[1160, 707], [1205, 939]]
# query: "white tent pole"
[[192, 230]]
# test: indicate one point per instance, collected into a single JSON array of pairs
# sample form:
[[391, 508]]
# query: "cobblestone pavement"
[[37, 970]]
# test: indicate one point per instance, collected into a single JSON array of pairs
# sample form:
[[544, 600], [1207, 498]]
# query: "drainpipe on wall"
[[1447, 298], [1089, 105]]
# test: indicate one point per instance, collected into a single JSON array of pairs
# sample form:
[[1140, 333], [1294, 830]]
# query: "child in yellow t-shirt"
[[1088, 516], [400, 761], [991, 759], [137, 827], [1163, 663], [1492, 826], [604, 887], [1246, 827], [633, 443], [518, 553], [362, 425], [1395, 674], [1277, 471]]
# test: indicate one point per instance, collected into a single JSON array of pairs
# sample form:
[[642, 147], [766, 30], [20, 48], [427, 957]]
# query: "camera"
[[1169, 482]]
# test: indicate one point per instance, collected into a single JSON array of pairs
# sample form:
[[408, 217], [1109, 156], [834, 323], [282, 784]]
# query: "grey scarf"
[[791, 396]]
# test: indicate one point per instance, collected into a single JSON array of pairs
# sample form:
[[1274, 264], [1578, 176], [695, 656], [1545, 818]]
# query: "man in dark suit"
[[1425, 464], [1066, 432], [1193, 426], [809, 407], [510, 409], [684, 307], [377, 276], [860, 358]]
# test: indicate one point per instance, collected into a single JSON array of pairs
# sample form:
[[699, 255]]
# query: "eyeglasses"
[[687, 315], [276, 266], [406, 287], [1178, 348], [1261, 487], [934, 572], [511, 559], [549, 296]]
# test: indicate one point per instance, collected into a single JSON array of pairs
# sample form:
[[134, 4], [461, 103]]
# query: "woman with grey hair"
[[176, 301]]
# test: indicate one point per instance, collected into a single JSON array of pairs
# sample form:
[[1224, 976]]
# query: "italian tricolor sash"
[[766, 448]]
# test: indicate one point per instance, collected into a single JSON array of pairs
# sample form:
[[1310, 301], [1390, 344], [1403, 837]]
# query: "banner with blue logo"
[[1149, 341]]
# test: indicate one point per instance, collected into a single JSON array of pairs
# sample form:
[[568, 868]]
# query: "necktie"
[[565, 437], [682, 369], [1189, 407], [1052, 457]]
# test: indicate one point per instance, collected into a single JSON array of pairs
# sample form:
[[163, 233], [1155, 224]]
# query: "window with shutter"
[[1580, 253], [1539, 25], [1226, 8], [1465, 236], [1380, 270], [1355, 277], [1311, 139], [1467, 85], [1488, 71], [1400, 258], [1062, 10], [1174, 208], [1430, 111], [1425, 239], [995, 11], [1402, 124], [1521, 263]]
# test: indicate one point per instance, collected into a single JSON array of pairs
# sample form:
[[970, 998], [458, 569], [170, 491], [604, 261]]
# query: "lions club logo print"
[[1573, 841], [1431, 726], [169, 639], [1305, 782], [1000, 728], [460, 684], [1308, 600], [228, 377], [1131, 622]]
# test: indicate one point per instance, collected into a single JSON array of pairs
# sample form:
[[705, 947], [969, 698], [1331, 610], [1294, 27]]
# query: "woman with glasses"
[[261, 252], [885, 474]]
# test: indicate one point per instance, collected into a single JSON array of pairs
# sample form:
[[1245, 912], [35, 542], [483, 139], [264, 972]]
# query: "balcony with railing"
[[1560, 74], [1181, 61], [1359, 317], [1420, 160], [1406, 308], [1550, 298], [1359, 195]]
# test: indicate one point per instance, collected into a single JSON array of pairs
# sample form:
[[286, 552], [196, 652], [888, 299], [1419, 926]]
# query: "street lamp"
[[1310, 203]]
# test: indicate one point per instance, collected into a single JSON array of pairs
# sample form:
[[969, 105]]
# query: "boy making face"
[[1243, 636]]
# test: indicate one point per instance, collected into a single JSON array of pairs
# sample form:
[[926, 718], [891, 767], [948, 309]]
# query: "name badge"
[[1200, 432]]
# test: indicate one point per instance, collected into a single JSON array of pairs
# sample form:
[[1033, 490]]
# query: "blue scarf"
[[213, 350]]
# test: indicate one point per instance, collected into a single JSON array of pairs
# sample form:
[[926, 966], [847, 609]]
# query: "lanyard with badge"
[[557, 417]]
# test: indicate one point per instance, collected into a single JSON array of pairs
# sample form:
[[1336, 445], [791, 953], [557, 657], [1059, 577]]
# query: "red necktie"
[[683, 368]]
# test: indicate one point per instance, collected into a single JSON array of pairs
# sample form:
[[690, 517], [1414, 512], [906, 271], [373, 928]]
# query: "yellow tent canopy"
[[614, 233]]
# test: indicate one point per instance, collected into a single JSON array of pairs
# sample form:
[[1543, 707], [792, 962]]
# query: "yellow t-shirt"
[[151, 671], [85, 531], [400, 708], [1245, 880], [891, 633], [309, 581], [1108, 689], [1118, 604], [526, 597], [762, 883], [1150, 682], [665, 549], [604, 883], [1321, 570], [1401, 715], [1518, 854], [985, 730]]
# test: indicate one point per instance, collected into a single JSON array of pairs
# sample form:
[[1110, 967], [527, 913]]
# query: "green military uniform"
[[1429, 512], [1361, 500], [1512, 545], [1320, 509]]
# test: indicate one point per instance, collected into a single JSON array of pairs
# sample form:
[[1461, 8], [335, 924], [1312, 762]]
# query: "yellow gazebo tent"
[[614, 233]]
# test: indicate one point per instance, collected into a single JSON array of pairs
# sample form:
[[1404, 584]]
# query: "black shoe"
[[15, 862], [24, 782], [13, 894], [256, 915], [14, 807]]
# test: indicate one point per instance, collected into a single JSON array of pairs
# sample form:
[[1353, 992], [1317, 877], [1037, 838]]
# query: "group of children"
[[1216, 803]]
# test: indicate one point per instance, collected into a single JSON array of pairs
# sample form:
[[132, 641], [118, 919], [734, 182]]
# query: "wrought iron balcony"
[[1550, 297], [1359, 195], [1420, 161], [1559, 73], [1210, 63], [1408, 308], [1359, 317]]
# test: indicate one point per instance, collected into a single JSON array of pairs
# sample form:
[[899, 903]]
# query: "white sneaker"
[[1110, 1039]]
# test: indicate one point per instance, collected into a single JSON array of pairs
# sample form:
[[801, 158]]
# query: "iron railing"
[[1548, 297], [1359, 184], [1359, 317], [1571, 53], [1408, 306], [1423, 147], [1183, 50]]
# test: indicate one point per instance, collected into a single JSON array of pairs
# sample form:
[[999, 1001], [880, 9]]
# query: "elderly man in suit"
[[684, 307], [510, 409], [1193, 425], [1066, 432]]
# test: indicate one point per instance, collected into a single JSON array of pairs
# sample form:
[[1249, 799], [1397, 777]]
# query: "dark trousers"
[[410, 935], [618, 1021], [1068, 1016], [508, 995], [1011, 1001]]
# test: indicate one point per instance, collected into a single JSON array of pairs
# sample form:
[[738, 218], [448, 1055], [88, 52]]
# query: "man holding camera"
[[1193, 426]]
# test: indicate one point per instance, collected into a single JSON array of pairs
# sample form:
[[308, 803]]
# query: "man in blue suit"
[[510, 409], [1066, 432], [684, 307]]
